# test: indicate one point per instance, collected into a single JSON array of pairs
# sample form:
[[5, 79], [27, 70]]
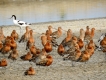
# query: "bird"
[[13, 55], [46, 61], [30, 41], [61, 50], [13, 43], [2, 37], [15, 35], [3, 62], [82, 34], [26, 57], [90, 47], [50, 29], [48, 47], [80, 43], [57, 33], [87, 34], [19, 23], [67, 38], [43, 39], [30, 71], [1, 45], [85, 56], [92, 32], [102, 45], [25, 36], [6, 48]]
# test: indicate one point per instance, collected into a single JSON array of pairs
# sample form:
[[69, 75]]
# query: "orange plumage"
[[25, 36], [30, 71], [49, 60], [6, 48], [43, 39], [3, 63], [61, 50], [80, 43], [30, 41], [82, 34], [15, 35], [85, 56], [13, 44], [92, 32], [87, 34], [48, 47], [27, 56], [50, 29], [13, 55], [57, 33]]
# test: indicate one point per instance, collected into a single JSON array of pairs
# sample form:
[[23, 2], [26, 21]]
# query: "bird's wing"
[[21, 22]]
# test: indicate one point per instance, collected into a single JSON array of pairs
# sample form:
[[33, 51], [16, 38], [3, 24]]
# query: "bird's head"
[[13, 16]]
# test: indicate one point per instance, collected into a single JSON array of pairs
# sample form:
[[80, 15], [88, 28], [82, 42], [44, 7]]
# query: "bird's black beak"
[[10, 18]]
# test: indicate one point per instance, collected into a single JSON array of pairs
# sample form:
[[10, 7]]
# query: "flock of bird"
[[75, 48]]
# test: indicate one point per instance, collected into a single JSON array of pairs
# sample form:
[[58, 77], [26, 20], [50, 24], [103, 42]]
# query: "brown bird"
[[30, 41], [43, 39], [61, 50], [92, 32], [80, 43], [25, 36], [6, 48], [48, 47], [73, 55], [1, 46], [15, 35], [13, 43], [41, 57], [50, 29], [87, 34], [2, 37], [27, 56], [13, 55], [34, 51], [82, 34], [84, 56], [3, 63], [46, 61], [57, 33], [68, 37], [90, 47], [30, 71], [49, 60], [102, 45], [49, 38]]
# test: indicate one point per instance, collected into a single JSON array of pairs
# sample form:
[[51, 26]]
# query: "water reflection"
[[34, 11]]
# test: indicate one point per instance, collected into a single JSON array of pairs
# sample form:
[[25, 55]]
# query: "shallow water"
[[35, 11]]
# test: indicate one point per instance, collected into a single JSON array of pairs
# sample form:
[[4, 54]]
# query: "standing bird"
[[15, 35], [19, 23]]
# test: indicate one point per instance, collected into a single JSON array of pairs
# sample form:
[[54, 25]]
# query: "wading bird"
[[19, 23]]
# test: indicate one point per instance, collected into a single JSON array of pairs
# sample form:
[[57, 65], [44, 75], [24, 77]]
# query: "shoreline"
[[75, 25]]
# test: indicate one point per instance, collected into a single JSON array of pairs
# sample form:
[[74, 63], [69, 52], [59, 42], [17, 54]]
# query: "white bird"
[[19, 23]]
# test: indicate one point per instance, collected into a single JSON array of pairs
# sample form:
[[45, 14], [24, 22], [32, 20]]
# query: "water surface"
[[35, 11]]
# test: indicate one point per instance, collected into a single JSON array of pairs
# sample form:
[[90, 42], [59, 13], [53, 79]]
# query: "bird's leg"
[[20, 30], [73, 64]]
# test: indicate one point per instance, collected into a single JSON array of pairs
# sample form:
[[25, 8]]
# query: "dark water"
[[35, 11]]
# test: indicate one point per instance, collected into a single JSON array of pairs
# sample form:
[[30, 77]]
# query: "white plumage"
[[19, 23]]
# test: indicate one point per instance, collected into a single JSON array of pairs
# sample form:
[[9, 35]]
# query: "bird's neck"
[[14, 17]]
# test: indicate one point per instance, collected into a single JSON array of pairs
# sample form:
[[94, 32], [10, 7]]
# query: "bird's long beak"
[[9, 18]]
